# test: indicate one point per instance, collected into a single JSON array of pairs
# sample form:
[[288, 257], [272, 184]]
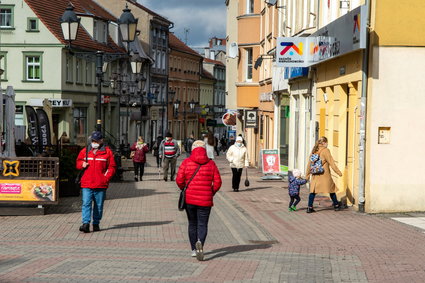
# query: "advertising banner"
[[270, 161], [291, 52], [32, 126], [229, 118], [43, 128], [28, 190]]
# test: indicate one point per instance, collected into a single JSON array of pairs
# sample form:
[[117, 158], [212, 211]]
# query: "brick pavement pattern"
[[251, 238]]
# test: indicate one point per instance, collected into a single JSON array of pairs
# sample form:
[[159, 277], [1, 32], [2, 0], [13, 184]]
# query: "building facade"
[[184, 87], [32, 35]]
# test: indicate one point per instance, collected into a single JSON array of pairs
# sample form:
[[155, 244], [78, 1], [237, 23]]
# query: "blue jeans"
[[198, 217], [312, 195], [95, 197]]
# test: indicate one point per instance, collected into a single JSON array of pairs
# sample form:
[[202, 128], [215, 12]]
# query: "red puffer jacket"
[[206, 182], [139, 154], [100, 170]]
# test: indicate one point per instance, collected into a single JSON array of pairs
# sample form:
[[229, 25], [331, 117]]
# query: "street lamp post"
[[128, 26]]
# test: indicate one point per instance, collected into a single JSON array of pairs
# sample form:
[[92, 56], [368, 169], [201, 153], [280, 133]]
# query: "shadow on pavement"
[[133, 192], [253, 189], [138, 224], [235, 249]]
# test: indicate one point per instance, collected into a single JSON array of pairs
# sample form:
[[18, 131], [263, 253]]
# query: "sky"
[[204, 18]]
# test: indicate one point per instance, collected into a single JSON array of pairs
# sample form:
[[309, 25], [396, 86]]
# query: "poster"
[[270, 161], [28, 190]]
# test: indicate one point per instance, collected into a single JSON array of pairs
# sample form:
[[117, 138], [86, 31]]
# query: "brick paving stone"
[[251, 238]]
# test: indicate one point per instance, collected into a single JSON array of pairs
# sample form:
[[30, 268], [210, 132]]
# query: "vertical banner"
[[270, 161], [43, 128], [33, 132]]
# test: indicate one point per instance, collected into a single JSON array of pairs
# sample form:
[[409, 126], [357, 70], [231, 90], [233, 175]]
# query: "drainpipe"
[[365, 75]]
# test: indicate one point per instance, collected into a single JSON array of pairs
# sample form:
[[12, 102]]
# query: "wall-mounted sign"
[[344, 35], [10, 168], [54, 102], [229, 118], [251, 119]]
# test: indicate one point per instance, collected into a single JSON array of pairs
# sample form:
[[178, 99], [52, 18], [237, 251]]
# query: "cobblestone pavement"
[[252, 238]]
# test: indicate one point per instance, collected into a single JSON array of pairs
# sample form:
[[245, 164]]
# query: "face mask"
[[238, 144], [94, 145], [139, 142]]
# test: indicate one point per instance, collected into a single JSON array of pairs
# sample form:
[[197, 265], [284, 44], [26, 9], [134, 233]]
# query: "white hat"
[[296, 173], [198, 143], [239, 138]]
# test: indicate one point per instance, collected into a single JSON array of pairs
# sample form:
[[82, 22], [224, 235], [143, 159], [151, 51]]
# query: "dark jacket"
[[205, 183], [294, 185]]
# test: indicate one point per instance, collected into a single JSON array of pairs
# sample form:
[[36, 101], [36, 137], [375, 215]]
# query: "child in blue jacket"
[[295, 181]]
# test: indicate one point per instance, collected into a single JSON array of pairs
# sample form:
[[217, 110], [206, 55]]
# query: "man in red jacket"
[[205, 183], [99, 166]]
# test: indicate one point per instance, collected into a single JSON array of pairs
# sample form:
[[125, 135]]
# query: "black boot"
[[96, 228], [338, 206], [85, 228], [310, 210]]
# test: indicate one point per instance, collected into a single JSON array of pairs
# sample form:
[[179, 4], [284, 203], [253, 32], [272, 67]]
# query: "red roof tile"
[[213, 61], [207, 74], [179, 45], [50, 13]]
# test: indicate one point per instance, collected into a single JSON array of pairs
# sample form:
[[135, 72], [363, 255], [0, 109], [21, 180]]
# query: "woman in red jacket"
[[199, 194], [139, 158]]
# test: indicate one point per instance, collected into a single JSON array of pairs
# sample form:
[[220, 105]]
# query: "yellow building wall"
[[399, 23], [249, 30], [337, 113], [247, 96]]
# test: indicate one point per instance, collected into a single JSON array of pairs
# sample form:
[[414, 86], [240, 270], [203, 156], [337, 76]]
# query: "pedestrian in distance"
[[318, 168], [223, 143], [188, 145], [169, 151], [205, 182], [237, 155], [139, 158], [295, 183], [155, 149], [216, 144], [210, 144], [99, 166]]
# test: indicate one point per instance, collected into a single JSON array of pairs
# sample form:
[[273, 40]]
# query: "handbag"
[[81, 172], [246, 180], [182, 198]]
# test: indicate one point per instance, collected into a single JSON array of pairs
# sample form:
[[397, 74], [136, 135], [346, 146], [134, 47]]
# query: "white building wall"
[[395, 179]]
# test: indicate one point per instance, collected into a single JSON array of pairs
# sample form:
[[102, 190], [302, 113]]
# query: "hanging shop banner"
[[43, 128], [28, 190], [344, 35], [229, 118], [32, 125], [251, 119], [270, 161]]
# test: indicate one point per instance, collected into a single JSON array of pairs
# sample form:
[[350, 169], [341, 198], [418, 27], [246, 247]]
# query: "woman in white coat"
[[237, 155]]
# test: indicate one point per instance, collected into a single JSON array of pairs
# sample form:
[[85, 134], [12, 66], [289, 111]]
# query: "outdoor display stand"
[[270, 164], [28, 183]]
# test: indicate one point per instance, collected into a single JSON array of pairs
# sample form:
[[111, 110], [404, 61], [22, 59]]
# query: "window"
[[249, 6], [69, 69], [80, 121], [3, 64], [33, 66], [78, 71], [89, 73], [32, 24], [248, 64], [6, 17], [100, 31]]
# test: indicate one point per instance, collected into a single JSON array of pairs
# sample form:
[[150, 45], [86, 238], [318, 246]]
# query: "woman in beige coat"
[[237, 155], [322, 183]]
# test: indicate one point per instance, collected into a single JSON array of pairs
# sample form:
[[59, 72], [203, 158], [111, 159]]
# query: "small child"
[[295, 181]]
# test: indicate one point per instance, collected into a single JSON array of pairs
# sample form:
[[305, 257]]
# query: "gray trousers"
[[169, 162]]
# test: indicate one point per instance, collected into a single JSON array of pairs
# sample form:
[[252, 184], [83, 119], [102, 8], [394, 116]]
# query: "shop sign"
[[54, 102], [28, 190], [211, 123], [105, 99], [295, 72], [251, 119], [270, 161], [344, 35]]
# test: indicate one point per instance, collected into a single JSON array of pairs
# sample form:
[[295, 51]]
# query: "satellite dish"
[[271, 2], [233, 50]]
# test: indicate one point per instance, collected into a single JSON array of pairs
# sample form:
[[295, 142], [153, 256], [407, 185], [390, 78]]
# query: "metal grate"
[[36, 167]]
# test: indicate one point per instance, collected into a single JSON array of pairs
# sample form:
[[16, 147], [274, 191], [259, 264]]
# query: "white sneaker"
[[194, 253], [199, 251]]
